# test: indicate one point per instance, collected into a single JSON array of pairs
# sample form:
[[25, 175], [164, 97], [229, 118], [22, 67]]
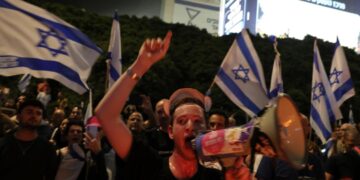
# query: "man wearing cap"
[[186, 110], [23, 154]]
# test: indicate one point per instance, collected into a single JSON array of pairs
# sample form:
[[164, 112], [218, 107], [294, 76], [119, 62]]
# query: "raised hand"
[[153, 50]]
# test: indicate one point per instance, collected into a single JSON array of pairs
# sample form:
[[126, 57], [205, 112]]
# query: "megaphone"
[[278, 132]]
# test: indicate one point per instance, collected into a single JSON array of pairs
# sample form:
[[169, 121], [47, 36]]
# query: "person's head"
[[73, 131], [232, 121], [128, 110], [21, 99], [343, 129], [217, 120], [76, 113], [135, 122], [187, 118], [161, 117], [30, 114], [63, 125], [350, 136], [57, 117]]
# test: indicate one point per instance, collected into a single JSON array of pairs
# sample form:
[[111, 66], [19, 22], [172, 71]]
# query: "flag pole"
[[107, 75], [208, 92]]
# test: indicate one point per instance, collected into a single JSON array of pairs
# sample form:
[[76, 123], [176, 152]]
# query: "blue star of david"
[[334, 76], [46, 36], [318, 91], [241, 73]]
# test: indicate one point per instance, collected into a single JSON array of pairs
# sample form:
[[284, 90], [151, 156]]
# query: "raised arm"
[[109, 109]]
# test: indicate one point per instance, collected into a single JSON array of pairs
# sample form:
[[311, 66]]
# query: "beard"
[[29, 125]]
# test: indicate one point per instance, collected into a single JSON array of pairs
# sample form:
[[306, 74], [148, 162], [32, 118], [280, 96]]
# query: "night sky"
[[139, 8]]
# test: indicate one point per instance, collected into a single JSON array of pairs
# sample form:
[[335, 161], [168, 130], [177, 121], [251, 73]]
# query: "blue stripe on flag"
[[51, 66], [329, 109], [348, 85], [246, 52], [330, 113], [113, 73], [316, 62], [237, 91], [316, 117], [274, 93], [71, 33]]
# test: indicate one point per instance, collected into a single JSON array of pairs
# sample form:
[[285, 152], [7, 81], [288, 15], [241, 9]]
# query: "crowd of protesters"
[[142, 141]]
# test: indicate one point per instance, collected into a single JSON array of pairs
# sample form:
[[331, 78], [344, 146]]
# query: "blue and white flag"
[[241, 76], [114, 52], [39, 43], [324, 110], [276, 86], [340, 78], [89, 108], [24, 82]]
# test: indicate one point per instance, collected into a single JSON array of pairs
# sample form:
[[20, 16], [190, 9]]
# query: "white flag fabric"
[[89, 109], [324, 110], [241, 76], [114, 52], [24, 82], [277, 85], [39, 43], [340, 78]]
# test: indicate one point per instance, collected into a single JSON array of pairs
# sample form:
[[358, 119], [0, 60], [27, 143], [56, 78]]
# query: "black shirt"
[[344, 165], [143, 162], [160, 141], [26, 160]]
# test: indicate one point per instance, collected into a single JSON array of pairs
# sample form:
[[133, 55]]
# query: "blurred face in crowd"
[[161, 116], [188, 119], [57, 117], [63, 125], [76, 113], [216, 122], [30, 117], [20, 100], [135, 122], [75, 134], [232, 121]]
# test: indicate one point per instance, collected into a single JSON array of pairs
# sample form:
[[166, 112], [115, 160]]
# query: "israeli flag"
[[277, 85], [340, 78], [114, 52], [24, 82], [324, 110], [39, 43], [89, 108], [241, 76]]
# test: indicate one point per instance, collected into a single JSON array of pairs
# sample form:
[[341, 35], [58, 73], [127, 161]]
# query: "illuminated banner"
[[198, 14], [294, 19], [344, 5]]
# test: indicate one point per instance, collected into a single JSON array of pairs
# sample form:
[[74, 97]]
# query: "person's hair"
[[221, 113], [32, 102], [73, 122], [180, 101]]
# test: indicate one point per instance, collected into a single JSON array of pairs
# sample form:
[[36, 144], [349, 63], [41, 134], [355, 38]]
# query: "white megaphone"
[[278, 132]]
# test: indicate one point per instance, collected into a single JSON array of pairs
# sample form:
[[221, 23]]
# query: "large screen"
[[324, 19]]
